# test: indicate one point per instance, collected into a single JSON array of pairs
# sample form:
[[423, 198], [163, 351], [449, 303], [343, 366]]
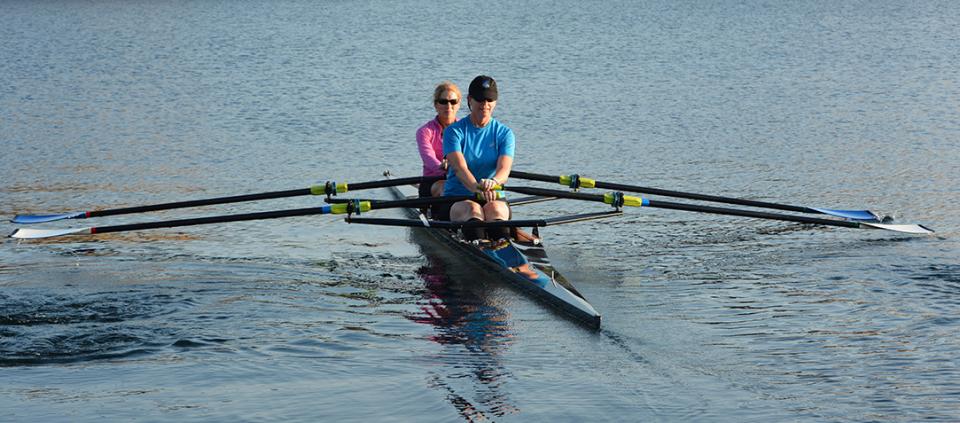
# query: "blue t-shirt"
[[481, 148]]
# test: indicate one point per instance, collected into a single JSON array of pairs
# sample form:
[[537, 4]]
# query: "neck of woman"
[[478, 121], [445, 122]]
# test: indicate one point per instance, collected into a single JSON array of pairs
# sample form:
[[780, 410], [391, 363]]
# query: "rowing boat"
[[522, 264]]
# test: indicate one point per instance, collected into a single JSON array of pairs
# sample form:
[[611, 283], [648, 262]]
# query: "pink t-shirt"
[[430, 145]]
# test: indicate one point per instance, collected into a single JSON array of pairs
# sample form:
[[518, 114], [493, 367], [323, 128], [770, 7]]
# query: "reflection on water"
[[474, 334]]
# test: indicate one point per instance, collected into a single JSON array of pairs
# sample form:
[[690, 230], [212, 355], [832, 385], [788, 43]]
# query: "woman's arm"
[[428, 152], [505, 147], [456, 161], [504, 164]]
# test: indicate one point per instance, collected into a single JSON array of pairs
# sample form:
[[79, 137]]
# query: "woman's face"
[[482, 111], [447, 105]]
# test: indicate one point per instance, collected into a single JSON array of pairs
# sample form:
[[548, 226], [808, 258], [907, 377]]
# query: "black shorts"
[[440, 211], [424, 190], [437, 211]]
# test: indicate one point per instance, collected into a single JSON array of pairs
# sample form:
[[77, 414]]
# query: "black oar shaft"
[[202, 202], [446, 224], [394, 182], [750, 213], [688, 207], [703, 197], [254, 197], [211, 219], [270, 214], [410, 202], [442, 224], [670, 193], [555, 193], [330, 188]]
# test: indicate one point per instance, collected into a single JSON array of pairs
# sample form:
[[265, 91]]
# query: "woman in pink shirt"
[[446, 99]]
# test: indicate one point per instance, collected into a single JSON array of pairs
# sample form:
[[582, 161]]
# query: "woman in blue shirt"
[[479, 151]]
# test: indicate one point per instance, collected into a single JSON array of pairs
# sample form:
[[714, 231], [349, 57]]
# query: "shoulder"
[[460, 123], [428, 128], [500, 128], [496, 124], [459, 126]]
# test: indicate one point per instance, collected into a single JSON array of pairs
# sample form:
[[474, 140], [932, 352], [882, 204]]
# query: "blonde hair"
[[444, 87]]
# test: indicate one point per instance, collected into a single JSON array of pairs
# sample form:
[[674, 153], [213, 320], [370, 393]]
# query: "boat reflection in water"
[[458, 303], [473, 333]]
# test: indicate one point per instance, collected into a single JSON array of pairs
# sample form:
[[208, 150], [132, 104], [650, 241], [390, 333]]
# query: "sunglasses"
[[445, 102]]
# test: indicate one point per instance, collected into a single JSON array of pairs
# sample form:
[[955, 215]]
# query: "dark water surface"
[[706, 318]]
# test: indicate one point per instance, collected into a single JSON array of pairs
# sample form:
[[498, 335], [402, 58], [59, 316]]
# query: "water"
[[706, 318]]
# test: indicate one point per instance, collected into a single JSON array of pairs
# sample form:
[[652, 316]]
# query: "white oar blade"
[[863, 215], [42, 218], [906, 228], [29, 233]]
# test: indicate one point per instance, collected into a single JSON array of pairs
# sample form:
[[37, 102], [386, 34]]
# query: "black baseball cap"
[[483, 88]]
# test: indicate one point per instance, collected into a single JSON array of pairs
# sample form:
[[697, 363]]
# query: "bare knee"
[[436, 190], [463, 211], [496, 210]]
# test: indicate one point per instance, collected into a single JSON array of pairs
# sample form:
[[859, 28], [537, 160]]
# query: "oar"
[[442, 224], [576, 181], [618, 200], [329, 188], [340, 208]]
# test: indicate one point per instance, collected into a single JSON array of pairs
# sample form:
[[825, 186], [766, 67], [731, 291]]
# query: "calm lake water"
[[706, 318]]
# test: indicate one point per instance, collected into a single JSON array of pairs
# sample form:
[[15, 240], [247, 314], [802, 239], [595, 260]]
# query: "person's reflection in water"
[[464, 319]]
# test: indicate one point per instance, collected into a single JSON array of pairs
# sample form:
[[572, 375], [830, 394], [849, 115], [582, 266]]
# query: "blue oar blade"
[[861, 215], [42, 218]]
